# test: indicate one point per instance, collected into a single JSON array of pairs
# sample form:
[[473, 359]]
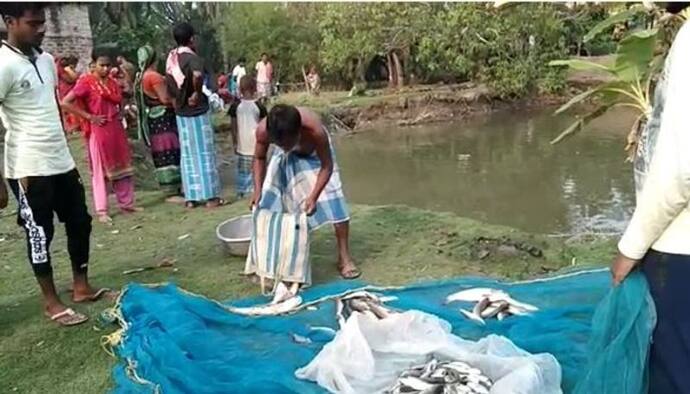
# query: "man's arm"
[[313, 125], [259, 162], [233, 124], [3, 193], [196, 64], [666, 191]]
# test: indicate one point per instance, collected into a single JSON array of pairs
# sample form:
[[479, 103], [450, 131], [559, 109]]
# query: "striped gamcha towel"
[[290, 179], [279, 247]]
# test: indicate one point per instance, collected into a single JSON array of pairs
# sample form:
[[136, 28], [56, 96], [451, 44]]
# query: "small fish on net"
[[434, 377], [362, 302], [490, 303]]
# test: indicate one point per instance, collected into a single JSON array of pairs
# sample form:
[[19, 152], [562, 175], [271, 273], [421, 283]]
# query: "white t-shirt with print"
[[35, 143], [238, 72]]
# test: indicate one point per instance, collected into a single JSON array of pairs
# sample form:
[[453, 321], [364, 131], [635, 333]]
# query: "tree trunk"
[[399, 78], [392, 82], [306, 81]]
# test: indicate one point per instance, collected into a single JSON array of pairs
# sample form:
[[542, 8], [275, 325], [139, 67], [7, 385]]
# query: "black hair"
[[264, 53], [102, 52], [242, 60], [183, 33], [675, 7], [18, 8], [248, 84], [283, 121]]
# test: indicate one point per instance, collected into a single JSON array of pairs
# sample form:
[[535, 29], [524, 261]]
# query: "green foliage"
[[631, 77], [638, 59], [287, 32], [615, 19], [128, 26], [496, 46]]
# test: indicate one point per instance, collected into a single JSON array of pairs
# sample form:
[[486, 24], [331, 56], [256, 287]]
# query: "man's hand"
[[254, 200], [193, 100], [621, 268], [97, 120], [3, 194], [310, 206]]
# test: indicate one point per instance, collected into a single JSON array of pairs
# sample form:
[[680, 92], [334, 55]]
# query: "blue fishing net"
[[177, 342], [619, 344]]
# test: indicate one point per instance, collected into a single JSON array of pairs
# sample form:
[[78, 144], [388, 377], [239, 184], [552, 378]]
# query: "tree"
[[128, 26], [479, 42], [638, 60], [287, 32]]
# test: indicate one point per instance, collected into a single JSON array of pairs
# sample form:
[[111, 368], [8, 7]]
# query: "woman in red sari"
[[109, 154], [67, 77]]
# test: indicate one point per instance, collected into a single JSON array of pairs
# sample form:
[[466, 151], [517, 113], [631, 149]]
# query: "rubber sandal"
[[351, 274], [129, 211], [219, 202], [190, 205], [106, 293], [175, 200], [68, 318]]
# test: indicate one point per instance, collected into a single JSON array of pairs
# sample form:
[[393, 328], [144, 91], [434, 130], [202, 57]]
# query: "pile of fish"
[[436, 377], [490, 303], [362, 302]]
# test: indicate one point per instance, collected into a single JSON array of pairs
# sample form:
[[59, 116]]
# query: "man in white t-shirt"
[[657, 240], [38, 165], [264, 76], [237, 73]]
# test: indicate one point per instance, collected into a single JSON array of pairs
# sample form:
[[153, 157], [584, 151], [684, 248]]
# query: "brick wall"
[[68, 32]]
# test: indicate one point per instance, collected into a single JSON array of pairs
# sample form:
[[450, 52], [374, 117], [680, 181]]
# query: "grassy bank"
[[392, 244]]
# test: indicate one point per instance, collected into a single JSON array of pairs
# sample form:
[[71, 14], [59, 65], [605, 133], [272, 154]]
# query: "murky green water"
[[500, 169]]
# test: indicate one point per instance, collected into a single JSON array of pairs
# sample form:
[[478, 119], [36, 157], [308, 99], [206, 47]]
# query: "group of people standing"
[[174, 113]]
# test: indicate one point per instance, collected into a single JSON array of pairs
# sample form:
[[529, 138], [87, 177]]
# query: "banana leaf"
[[635, 54], [582, 121], [581, 65], [613, 20]]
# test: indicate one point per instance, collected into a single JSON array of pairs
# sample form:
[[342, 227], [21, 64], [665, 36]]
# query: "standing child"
[[245, 116]]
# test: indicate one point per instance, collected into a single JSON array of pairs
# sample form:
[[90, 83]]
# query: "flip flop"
[[215, 203], [190, 205], [109, 294], [132, 210], [68, 318], [352, 273]]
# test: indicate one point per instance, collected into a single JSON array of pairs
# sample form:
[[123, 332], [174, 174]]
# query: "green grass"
[[392, 244]]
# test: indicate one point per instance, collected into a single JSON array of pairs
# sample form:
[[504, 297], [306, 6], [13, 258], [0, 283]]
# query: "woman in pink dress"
[[109, 154]]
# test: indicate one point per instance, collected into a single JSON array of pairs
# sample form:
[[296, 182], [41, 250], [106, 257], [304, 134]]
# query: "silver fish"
[[481, 306], [415, 383], [497, 308], [472, 316], [269, 309], [300, 339], [494, 295]]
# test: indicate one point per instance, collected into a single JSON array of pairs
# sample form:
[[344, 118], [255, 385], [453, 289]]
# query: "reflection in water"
[[500, 169]]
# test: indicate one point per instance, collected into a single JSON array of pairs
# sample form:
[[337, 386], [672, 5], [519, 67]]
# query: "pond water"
[[500, 169]]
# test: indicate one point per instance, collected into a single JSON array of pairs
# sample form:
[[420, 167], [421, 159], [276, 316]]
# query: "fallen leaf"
[[135, 227], [183, 237], [115, 232], [40, 343]]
